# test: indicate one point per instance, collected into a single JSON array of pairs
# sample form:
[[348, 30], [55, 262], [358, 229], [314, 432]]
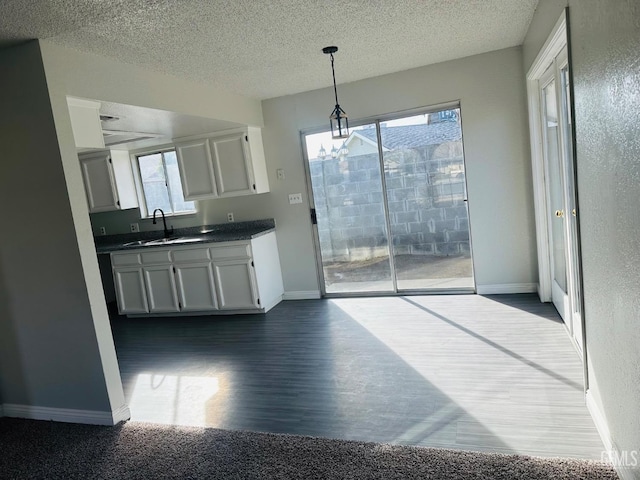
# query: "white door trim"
[[555, 43]]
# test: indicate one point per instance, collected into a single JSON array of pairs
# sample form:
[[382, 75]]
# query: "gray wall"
[[491, 90], [546, 15], [605, 41], [49, 351]]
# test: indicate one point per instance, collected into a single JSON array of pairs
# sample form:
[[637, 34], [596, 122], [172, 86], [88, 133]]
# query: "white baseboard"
[[121, 414], [624, 472], [506, 288], [269, 304], [68, 415], [302, 295]]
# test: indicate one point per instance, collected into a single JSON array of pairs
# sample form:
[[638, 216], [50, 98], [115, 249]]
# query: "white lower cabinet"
[[227, 276], [235, 281], [130, 290], [196, 288], [161, 288]]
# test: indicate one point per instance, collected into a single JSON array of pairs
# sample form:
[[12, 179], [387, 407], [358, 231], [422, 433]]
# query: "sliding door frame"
[[377, 120]]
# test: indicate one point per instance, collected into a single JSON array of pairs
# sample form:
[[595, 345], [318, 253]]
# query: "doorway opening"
[[389, 206]]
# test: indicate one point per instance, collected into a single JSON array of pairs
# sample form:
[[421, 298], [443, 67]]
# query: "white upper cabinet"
[[196, 170], [223, 165], [108, 181], [85, 123]]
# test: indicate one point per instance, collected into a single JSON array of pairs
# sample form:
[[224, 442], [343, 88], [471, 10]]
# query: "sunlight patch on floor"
[[425, 343], [172, 399]]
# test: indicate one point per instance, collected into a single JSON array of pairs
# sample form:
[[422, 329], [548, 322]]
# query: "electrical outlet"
[[135, 227], [103, 231], [295, 198], [280, 173], [230, 217]]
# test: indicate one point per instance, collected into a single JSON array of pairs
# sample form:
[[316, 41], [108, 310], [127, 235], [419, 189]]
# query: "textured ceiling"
[[269, 48]]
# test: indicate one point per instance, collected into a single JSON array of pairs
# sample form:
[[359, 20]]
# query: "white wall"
[[54, 355], [92, 76]]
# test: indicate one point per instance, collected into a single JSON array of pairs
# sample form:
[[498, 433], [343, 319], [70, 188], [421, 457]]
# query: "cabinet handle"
[[246, 138]]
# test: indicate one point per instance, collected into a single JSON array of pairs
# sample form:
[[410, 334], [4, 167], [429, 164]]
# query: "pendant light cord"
[[335, 90]]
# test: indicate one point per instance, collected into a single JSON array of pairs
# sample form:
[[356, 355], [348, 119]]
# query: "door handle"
[[573, 212], [559, 213]]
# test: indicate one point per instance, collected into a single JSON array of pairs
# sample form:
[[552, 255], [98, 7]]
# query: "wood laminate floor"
[[470, 372]]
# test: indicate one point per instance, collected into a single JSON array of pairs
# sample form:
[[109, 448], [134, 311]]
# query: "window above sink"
[[159, 184]]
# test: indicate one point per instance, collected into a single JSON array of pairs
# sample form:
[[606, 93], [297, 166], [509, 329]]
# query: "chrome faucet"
[[167, 232]]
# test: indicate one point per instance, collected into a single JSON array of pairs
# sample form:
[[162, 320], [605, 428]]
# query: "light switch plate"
[[295, 198], [280, 173]]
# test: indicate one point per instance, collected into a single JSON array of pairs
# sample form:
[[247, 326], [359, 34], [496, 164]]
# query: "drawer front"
[[242, 250], [190, 255], [156, 256], [125, 259]]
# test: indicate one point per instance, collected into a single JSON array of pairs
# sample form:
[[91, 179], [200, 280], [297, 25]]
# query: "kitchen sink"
[[162, 241], [187, 240], [173, 241], [137, 243]]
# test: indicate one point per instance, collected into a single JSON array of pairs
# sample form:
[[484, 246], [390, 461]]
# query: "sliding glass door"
[[390, 206], [352, 230]]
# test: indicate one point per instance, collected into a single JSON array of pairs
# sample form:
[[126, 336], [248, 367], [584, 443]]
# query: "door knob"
[[573, 212], [560, 213]]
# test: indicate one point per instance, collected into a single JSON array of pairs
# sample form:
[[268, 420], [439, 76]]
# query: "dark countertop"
[[225, 232]]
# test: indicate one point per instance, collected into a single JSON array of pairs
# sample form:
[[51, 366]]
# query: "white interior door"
[[571, 216], [557, 150], [555, 190]]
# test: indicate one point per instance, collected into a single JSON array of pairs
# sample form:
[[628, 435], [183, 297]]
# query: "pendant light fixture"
[[338, 118]]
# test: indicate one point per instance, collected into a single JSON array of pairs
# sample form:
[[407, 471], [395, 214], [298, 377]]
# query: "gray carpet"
[[34, 449]]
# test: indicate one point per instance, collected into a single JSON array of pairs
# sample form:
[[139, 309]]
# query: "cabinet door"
[[235, 283], [196, 288], [196, 170], [161, 288], [232, 165], [130, 291], [99, 184]]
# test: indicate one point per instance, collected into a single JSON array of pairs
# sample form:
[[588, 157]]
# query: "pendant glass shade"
[[339, 123], [338, 118]]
